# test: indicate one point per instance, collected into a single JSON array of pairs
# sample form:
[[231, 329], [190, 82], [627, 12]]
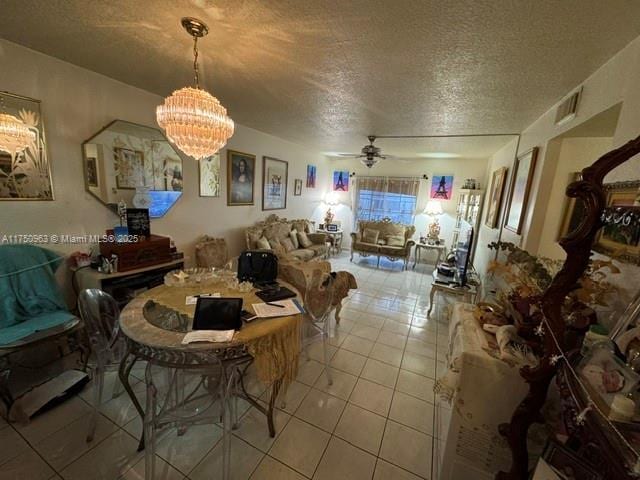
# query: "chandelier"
[[193, 119], [15, 136]]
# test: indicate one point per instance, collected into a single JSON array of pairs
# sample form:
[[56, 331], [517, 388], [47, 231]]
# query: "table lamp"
[[433, 209]]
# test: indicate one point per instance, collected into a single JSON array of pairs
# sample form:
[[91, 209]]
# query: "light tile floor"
[[375, 422]]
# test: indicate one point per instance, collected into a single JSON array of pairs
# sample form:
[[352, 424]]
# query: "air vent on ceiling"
[[568, 108]]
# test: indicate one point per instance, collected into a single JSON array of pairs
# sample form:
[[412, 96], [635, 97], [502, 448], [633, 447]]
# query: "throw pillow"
[[274, 242], [395, 241], [263, 244], [287, 244], [370, 235], [304, 240], [294, 238]]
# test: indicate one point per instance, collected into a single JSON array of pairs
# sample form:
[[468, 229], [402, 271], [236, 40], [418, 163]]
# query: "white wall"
[[460, 168], [76, 104], [502, 158]]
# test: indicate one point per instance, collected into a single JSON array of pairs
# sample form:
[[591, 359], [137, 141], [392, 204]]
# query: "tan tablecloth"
[[274, 343]]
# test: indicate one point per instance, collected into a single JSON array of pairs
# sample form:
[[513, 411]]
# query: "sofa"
[[383, 238], [275, 234]]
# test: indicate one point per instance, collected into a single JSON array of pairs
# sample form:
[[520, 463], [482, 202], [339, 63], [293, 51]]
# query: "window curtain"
[[380, 197]]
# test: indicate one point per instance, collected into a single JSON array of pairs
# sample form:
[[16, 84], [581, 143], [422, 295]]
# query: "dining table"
[[155, 323]]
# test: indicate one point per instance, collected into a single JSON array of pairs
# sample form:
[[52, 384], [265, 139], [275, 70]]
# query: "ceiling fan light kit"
[[193, 119]]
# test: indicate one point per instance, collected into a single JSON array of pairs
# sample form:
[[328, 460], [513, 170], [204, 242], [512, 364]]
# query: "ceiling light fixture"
[[15, 136], [192, 118]]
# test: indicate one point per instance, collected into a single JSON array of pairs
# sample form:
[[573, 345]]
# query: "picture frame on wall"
[[91, 171], [498, 180], [522, 177], [26, 175], [311, 176], [274, 183], [209, 176], [297, 187], [442, 187], [341, 181], [129, 166], [619, 237], [241, 168], [574, 211]]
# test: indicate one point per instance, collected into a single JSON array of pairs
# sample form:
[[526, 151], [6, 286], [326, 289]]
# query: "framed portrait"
[[297, 187], [274, 183], [574, 211], [129, 166], [91, 171], [209, 176], [311, 176], [241, 169], [523, 169], [442, 187], [340, 181], [498, 180], [27, 174], [620, 233]]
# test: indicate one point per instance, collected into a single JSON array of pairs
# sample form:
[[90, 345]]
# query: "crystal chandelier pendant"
[[15, 136], [192, 118]]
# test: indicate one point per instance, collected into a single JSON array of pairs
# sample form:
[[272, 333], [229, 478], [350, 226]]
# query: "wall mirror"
[[133, 163]]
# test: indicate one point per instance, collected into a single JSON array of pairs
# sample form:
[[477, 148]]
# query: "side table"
[[336, 240], [469, 292], [440, 249]]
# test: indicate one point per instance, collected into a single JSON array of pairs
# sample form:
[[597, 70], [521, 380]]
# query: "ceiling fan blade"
[[355, 155]]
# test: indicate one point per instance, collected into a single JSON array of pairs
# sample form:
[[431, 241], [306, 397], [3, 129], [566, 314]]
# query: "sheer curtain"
[[380, 197]]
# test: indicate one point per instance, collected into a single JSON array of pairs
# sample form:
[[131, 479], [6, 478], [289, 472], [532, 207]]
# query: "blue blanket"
[[30, 299]]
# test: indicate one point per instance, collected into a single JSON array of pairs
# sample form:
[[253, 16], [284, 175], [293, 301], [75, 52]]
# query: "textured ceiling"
[[328, 72]]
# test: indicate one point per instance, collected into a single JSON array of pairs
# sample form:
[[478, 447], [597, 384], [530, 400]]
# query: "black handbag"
[[257, 266]]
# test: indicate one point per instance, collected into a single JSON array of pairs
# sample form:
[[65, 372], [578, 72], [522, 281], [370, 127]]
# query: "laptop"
[[218, 313]]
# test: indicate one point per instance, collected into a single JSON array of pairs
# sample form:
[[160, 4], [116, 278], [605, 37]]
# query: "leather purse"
[[257, 266]]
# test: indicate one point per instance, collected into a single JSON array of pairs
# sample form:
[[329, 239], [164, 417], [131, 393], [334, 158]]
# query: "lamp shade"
[[331, 198], [434, 207]]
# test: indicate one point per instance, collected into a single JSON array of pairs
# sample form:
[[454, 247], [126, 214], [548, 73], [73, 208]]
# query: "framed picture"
[[91, 171], [274, 183], [129, 166], [568, 463], [620, 234], [442, 187], [574, 211], [209, 176], [241, 168], [523, 169], [340, 181], [311, 176], [172, 174], [297, 187], [495, 197], [26, 176]]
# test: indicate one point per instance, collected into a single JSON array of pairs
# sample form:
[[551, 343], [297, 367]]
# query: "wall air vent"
[[568, 108]]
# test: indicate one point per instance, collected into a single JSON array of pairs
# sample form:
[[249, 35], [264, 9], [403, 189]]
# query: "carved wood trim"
[[578, 245]]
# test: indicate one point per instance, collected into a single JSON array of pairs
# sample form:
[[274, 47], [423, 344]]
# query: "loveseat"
[[383, 238], [287, 238]]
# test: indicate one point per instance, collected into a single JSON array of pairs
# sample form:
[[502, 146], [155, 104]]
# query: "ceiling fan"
[[369, 155]]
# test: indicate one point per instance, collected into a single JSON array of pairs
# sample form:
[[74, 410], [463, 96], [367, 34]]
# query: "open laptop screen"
[[214, 313]]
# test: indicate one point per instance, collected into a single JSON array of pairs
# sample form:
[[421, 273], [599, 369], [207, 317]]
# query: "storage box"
[[153, 250]]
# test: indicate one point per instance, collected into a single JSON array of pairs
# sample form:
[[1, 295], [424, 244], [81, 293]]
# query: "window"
[[393, 197]]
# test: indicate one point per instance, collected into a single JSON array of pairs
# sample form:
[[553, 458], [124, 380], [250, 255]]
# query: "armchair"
[[383, 238]]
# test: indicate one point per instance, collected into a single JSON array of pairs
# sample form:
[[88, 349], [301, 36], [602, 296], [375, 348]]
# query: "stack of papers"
[[208, 336], [193, 299], [281, 308]]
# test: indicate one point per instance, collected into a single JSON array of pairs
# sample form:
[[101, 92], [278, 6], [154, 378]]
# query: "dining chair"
[[201, 389], [318, 305], [100, 312]]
